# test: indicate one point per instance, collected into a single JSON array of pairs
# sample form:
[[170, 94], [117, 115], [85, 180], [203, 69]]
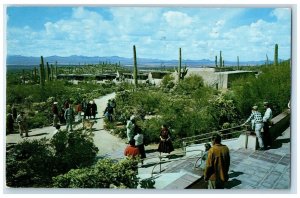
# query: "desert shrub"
[[37, 98], [223, 110], [104, 174], [272, 85], [182, 109], [33, 163], [73, 150], [151, 130], [39, 119], [30, 164], [167, 82], [190, 84]]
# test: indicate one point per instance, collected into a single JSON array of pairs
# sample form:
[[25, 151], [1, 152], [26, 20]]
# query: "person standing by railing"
[[217, 164], [267, 123], [258, 124]]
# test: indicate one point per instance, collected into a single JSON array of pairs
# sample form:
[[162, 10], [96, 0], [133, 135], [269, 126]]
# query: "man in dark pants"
[[267, 123], [217, 164]]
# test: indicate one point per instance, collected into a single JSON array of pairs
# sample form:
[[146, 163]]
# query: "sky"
[[157, 32]]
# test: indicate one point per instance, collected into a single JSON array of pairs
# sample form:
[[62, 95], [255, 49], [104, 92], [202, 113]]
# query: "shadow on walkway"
[[151, 151], [235, 174], [38, 134], [278, 143], [232, 183]]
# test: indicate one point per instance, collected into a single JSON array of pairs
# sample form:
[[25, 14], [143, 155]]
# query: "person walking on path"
[[78, 111], [267, 123], [132, 153], [84, 107], [165, 144], [258, 124], [69, 116], [21, 120], [87, 112], [9, 124], [113, 104], [108, 112], [55, 113], [217, 164], [139, 141], [93, 109], [130, 125], [131, 150]]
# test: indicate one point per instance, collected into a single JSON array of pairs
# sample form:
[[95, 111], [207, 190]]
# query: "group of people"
[[88, 109], [216, 158], [259, 122], [110, 109], [136, 147], [69, 112], [12, 118], [136, 142]]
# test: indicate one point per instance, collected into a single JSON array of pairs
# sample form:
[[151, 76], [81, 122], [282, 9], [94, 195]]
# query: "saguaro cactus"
[[135, 67], [56, 69], [42, 72], [221, 59], [52, 71], [48, 73], [179, 65], [276, 55], [34, 74]]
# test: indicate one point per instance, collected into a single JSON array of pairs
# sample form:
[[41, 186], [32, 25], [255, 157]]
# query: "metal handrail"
[[190, 139], [160, 162]]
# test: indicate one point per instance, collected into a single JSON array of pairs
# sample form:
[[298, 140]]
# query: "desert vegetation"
[[186, 105]]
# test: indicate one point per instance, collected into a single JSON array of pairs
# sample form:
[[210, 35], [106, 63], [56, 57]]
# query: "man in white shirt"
[[267, 123]]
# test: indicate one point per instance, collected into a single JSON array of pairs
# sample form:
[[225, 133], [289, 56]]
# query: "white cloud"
[[177, 19], [282, 14], [157, 33]]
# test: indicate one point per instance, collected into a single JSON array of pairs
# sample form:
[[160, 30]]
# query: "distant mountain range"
[[18, 60]]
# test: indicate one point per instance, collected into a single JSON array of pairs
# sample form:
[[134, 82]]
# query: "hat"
[[55, 102], [132, 117], [255, 108], [266, 103]]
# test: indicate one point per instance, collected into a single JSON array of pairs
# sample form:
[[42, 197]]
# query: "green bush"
[[38, 120], [73, 150], [105, 173], [30, 164], [33, 163], [33, 97], [272, 85]]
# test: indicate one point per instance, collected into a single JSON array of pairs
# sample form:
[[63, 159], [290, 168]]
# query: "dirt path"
[[108, 144]]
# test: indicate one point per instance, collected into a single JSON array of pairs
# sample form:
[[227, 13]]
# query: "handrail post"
[[159, 162], [184, 147]]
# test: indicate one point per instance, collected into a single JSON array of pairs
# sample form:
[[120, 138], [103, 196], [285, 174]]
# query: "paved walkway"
[[108, 144], [269, 169], [249, 169]]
